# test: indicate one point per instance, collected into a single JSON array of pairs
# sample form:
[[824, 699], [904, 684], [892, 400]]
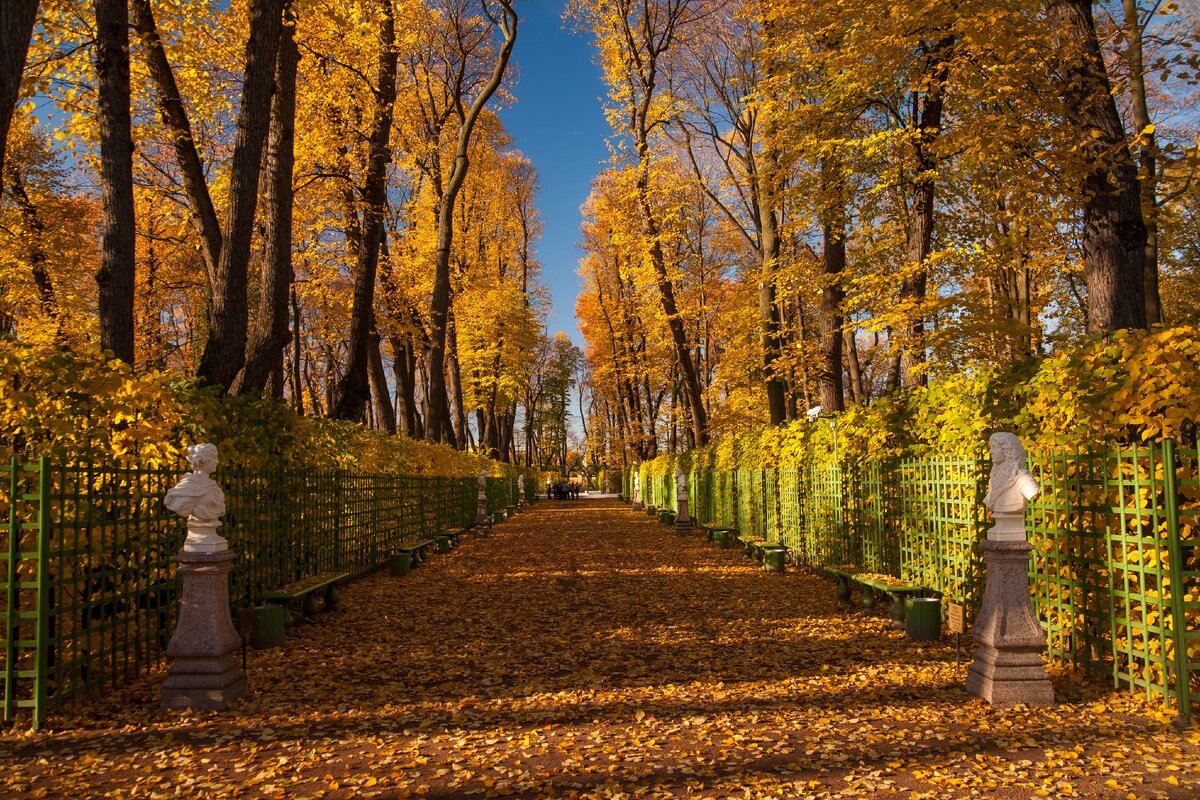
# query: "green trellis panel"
[[1116, 534], [90, 595]]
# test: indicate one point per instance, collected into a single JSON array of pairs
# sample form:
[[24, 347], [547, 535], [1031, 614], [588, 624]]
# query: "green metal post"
[[11, 624], [1178, 617], [42, 641]]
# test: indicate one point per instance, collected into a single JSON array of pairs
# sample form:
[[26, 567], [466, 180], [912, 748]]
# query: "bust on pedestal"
[[683, 524], [483, 521], [205, 672], [1008, 665]]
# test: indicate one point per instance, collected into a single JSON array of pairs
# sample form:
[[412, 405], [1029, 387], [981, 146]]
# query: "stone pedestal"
[[1008, 666], [483, 522], [683, 524], [206, 672]]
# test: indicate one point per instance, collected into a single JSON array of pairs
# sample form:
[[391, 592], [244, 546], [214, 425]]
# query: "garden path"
[[584, 650]]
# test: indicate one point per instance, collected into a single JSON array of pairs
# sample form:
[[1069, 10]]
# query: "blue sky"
[[558, 122]]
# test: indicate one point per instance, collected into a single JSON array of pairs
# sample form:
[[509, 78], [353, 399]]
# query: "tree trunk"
[[829, 380], [1148, 156], [115, 278], [666, 291], [927, 117], [459, 434], [381, 396], [854, 366], [297, 382], [174, 116], [768, 312], [264, 353], [833, 257], [437, 400], [354, 389], [225, 350], [1114, 233], [404, 371], [16, 29], [34, 240]]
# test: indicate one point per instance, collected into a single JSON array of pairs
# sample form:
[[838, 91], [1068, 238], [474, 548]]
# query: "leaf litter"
[[584, 651]]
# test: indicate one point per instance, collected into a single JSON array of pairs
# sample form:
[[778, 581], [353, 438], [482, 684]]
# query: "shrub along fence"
[[89, 595], [1116, 534]]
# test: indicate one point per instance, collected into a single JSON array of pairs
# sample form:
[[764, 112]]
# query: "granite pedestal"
[[1008, 666], [206, 671], [483, 521]]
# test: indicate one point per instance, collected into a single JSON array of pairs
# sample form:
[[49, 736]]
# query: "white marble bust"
[[200, 499], [1010, 487]]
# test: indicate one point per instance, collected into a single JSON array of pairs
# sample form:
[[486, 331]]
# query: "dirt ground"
[[586, 651]]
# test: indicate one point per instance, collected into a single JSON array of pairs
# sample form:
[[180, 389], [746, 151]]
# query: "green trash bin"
[[774, 559], [666, 517], [400, 564], [269, 624], [923, 619], [721, 539], [443, 543]]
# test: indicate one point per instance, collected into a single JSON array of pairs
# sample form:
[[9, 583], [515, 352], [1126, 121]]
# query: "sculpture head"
[[1006, 448], [202, 457]]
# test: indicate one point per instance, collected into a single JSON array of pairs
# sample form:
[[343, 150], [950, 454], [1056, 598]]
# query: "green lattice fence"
[[89, 595], [1116, 535]]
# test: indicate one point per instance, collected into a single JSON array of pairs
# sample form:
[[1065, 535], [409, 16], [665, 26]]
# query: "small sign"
[[954, 615]]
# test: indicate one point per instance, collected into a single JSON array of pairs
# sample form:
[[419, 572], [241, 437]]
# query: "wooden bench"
[[754, 547], [416, 551], [307, 589], [871, 583], [711, 531], [447, 539]]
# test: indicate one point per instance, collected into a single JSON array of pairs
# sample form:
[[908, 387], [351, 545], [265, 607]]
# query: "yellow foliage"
[[83, 406], [1142, 384]]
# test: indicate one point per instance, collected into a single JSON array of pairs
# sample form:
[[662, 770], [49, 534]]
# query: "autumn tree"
[[227, 249], [730, 140], [353, 390], [1113, 236], [116, 275], [462, 91], [635, 41], [16, 27], [269, 336]]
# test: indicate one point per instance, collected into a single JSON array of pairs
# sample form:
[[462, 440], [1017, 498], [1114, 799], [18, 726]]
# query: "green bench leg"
[[896, 611], [868, 597], [843, 588], [331, 597], [311, 607]]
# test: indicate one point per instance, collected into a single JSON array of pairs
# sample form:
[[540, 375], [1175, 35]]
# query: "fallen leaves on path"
[[584, 651]]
